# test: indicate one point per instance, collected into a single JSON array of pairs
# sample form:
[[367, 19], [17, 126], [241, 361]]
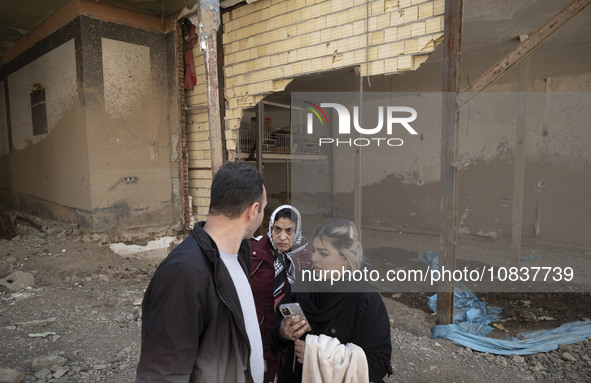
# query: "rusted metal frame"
[[184, 193], [519, 167], [522, 50], [449, 154]]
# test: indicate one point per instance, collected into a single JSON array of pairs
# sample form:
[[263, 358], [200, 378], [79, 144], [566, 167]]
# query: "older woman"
[[353, 318], [276, 257]]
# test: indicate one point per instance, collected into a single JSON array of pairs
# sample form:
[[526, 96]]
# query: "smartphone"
[[289, 309]]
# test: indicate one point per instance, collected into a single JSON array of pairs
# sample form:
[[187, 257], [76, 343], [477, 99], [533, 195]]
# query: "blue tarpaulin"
[[527, 343], [472, 319], [470, 314]]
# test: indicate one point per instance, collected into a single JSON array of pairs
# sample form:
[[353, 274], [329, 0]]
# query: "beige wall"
[[110, 158], [52, 166]]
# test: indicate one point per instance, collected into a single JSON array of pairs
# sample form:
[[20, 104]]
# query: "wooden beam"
[[522, 50], [449, 154]]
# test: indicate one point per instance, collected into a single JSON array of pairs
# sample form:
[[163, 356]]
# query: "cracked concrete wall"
[[107, 160]]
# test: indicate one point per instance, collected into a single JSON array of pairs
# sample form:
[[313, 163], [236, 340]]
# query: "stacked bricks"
[[198, 148], [269, 42]]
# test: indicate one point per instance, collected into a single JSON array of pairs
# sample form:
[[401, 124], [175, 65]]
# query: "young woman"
[[350, 315]]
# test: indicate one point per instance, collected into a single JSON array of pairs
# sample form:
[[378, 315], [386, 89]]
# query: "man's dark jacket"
[[192, 323]]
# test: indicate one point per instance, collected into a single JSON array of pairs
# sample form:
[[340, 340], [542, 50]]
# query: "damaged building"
[[114, 114]]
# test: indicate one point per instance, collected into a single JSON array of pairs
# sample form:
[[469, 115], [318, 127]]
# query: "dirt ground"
[[80, 320]]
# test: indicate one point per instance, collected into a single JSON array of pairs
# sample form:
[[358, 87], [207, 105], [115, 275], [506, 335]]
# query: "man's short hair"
[[234, 188]]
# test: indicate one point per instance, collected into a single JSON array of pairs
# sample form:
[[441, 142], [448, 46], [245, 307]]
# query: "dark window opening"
[[38, 110]]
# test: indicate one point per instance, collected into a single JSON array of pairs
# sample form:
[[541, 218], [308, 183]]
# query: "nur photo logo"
[[390, 119]]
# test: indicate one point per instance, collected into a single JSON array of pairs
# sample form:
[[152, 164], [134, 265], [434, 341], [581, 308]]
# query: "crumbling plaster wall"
[[108, 160]]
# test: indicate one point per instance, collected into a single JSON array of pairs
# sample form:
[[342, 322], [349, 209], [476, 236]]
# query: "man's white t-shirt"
[[257, 362]]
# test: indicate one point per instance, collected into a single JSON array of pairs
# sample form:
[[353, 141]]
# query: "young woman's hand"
[[299, 349], [292, 327]]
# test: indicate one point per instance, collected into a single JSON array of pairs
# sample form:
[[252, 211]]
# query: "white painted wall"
[[56, 71]]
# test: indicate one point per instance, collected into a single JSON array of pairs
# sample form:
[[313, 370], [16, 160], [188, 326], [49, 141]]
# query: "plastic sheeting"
[[472, 319], [470, 314], [527, 343]]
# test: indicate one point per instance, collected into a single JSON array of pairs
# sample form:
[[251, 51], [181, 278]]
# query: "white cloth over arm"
[[326, 360]]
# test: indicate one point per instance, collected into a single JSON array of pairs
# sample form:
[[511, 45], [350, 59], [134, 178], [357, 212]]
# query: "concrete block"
[[338, 5], [396, 18], [384, 21], [358, 27], [411, 14], [331, 21], [356, 42], [418, 60], [426, 44], [299, 3], [404, 62], [411, 46], [348, 59], [200, 163], [404, 32], [359, 55], [376, 67], [201, 201], [391, 5], [384, 51], [390, 34], [201, 175], [439, 7], [372, 54], [376, 38], [363, 70], [425, 10], [434, 25], [391, 65], [357, 13], [417, 29]]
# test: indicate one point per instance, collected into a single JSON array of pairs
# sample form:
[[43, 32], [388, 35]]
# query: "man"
[[198, 313], [276, 257]]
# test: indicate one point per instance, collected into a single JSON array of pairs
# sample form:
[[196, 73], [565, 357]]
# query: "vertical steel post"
[[449, 153]]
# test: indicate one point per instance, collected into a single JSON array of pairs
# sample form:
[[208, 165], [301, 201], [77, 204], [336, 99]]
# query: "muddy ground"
[[80, 320]]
